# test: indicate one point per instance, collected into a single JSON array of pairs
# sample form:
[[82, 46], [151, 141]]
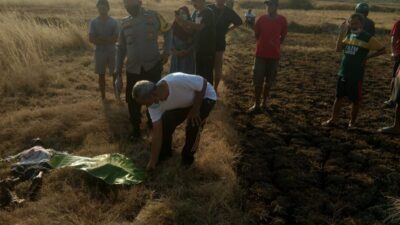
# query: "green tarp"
[[112, 168]]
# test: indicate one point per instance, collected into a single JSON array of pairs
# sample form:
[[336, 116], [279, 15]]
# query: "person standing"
[[103, 33], [356, 46], [182, 59], [395, 41], [369, 25], [226, 20], [250, 18], [395, 128], [203, 27], [270, 32], [138, 42], [175, 98]]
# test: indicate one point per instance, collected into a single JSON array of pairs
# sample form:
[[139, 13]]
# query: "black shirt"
[[369, 26], [205, 39], [224, 18]]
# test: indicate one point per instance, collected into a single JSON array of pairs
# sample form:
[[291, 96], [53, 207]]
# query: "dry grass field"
[[277, 168]]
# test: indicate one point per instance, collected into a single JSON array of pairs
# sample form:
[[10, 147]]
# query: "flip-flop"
[[254, 110], [329, 123], [390, 130]]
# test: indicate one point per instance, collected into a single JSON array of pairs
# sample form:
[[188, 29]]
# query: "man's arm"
[[236, 21], [342, 35], [194, 114], [103, 40], [166, 30], [121, 53], [189, 25], [377, 53], [156, 143]]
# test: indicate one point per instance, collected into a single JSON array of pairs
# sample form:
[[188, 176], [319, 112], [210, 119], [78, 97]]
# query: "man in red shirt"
[[270, 31], [395, 33]]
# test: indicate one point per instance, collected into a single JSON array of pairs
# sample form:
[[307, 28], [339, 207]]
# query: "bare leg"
[[257, 95], [337, 106], [265, 95], [102, 86], [354, 113], [219, 61]]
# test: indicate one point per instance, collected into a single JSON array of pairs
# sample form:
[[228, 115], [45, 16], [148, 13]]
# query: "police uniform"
[[138, 42]]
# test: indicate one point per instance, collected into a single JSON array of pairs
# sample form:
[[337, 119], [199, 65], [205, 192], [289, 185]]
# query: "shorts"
[[395, 68], [103, 60], [265, 70], [350, 89]]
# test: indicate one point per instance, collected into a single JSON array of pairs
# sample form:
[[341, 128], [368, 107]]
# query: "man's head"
[[272, 6], [37, 142], [133, 6], [220, 2], [144, 93], [362, 8], [356, 23], [199, 4], [103, 7]]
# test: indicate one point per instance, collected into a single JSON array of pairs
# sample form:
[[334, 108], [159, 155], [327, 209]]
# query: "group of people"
[[196, 43], [356, 40]]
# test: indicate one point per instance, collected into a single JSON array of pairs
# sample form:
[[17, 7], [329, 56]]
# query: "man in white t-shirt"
[[175, 98]]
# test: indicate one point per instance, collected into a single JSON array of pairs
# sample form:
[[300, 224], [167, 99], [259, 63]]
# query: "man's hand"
[[194, 117]]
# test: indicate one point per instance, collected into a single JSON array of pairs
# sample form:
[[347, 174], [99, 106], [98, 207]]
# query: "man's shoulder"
[[212, 6], [369, 21], [282, 18], [126, 22], [150, 12], [94, 20]]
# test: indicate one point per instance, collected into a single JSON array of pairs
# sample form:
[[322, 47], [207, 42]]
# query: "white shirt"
[[182, 88]]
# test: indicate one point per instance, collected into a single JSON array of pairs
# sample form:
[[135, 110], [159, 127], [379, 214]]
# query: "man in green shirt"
[[356, 45]]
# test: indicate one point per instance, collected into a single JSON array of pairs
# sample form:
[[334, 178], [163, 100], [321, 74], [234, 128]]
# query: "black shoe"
[[389, 104]]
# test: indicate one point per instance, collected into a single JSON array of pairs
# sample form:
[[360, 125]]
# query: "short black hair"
[[358, 16]]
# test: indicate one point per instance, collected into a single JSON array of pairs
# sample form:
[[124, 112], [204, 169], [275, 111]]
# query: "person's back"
[[250, 18], [205, 38], [369, 26]]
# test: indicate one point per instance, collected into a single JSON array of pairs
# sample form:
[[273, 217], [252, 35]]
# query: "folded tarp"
[[112, 168]]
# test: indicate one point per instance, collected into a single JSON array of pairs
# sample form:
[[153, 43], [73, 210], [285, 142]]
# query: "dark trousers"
[[153, 75], [205, 66], [173, 118]]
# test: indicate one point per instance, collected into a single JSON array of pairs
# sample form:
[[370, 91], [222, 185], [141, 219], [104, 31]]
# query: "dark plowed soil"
[[294, 170]]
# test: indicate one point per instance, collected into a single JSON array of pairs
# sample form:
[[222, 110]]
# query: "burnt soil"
[[293, 170]]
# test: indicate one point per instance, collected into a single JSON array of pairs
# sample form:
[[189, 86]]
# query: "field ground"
[[277, 168]]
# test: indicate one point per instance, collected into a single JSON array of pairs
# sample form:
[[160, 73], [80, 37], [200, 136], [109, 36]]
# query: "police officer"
[[138, 42], [369, 25]]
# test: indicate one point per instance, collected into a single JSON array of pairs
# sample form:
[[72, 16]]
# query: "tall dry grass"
[[26, 42]]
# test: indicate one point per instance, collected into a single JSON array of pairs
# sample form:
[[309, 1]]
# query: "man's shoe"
[[389, 104]]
